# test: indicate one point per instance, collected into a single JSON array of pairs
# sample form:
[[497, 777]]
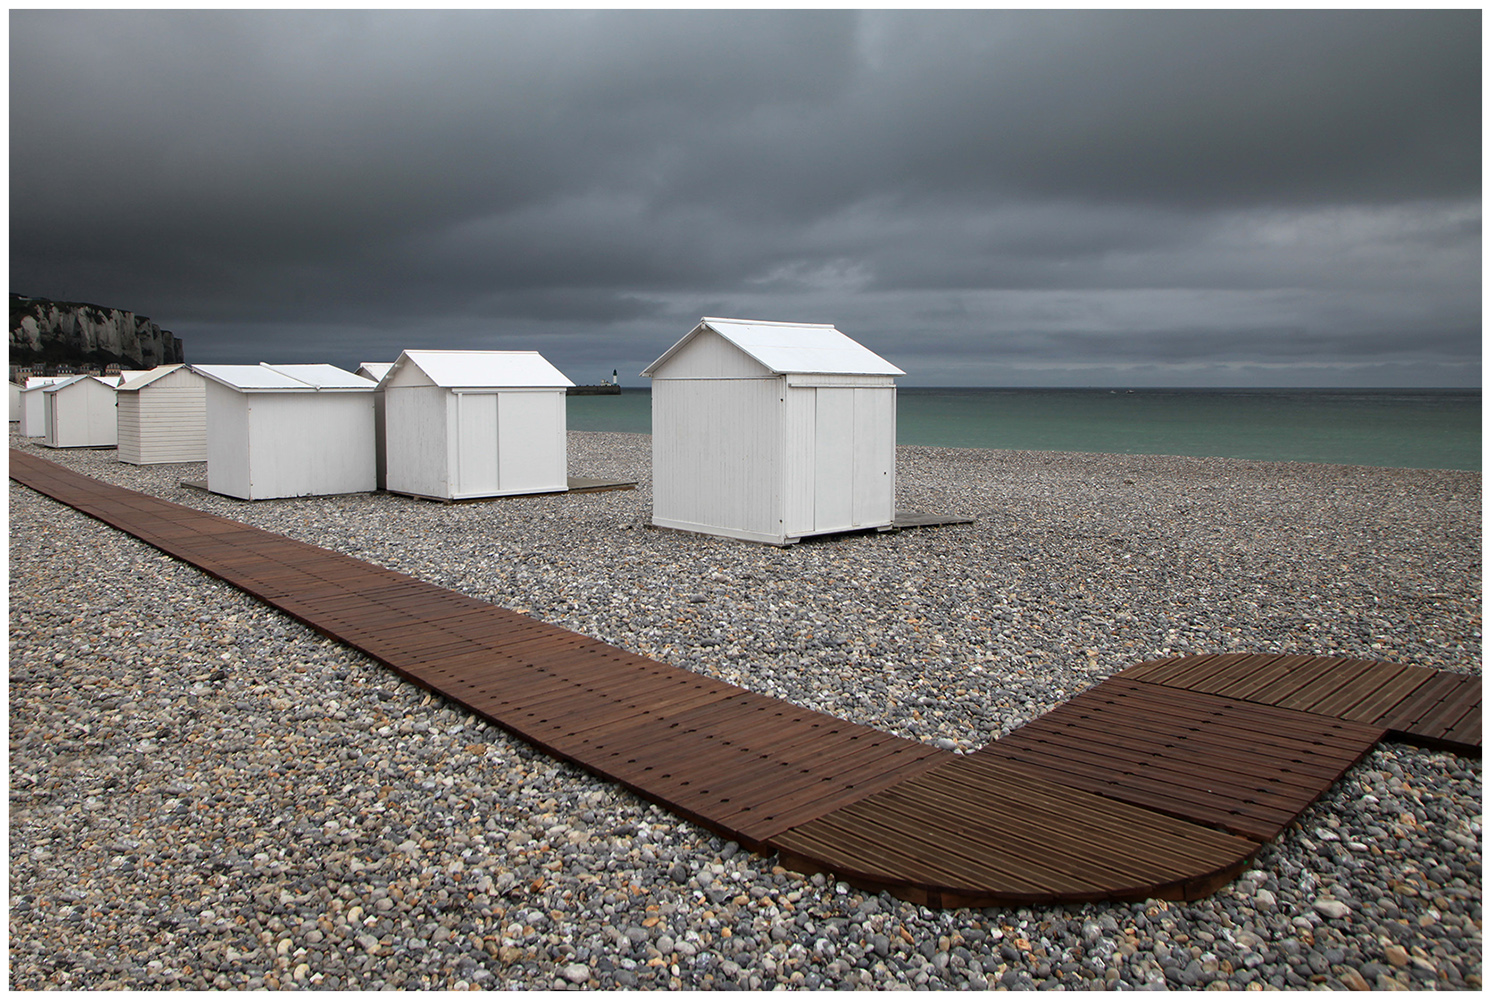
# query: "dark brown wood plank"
[[998, 837], [1415, 703], [1226, 765]]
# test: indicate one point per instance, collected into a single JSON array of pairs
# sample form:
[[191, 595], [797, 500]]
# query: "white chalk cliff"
[[55, 332]]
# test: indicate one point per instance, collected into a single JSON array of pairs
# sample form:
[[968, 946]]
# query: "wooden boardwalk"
[[1428, 707], [1162, 781]]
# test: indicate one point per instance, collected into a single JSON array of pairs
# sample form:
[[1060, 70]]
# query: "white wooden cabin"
[[34, 404], [464, 424], [80, 413], [771, 432], [162, 416], [15, 402], [288, 431], [374, 371]]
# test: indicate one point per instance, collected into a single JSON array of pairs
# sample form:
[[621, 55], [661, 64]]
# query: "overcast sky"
[[984, 198]]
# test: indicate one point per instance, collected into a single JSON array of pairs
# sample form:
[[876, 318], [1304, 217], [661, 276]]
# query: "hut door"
[[476, 444], [854, 458], [874, 456], [833, 458], [53, 425]]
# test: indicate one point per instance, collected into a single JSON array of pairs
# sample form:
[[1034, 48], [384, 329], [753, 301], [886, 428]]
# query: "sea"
[[1391, 428]]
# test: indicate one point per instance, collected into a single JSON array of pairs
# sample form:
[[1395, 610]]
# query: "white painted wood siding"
[[874, 503], [227, 441], [510, 442], [717, 457], [127, 414], [740, 452], [311, 444], [263, 445], [166, 421], [81, 416], [833, 460], [838, 381], [462, 444], [840, 458], [533, 450], [711, 356], [476, 445], [417, 443], [799, 445], [33, 412], [15, 402]]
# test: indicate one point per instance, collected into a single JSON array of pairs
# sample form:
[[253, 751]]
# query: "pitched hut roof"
[[482, 369], [790, 348], [284, 378]]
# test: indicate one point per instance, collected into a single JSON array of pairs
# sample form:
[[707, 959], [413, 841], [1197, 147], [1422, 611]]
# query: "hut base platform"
[[201, 485], [577, 484], [902, 520], [574, 484], [916, 519], [1162, 781]]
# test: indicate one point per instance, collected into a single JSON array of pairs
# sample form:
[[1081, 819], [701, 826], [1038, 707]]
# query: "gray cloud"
[[994, 196]]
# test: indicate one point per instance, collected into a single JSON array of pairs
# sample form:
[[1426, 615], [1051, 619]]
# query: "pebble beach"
[[206, 794]]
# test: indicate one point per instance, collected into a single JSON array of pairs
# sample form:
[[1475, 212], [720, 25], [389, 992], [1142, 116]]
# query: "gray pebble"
[[187, 763]]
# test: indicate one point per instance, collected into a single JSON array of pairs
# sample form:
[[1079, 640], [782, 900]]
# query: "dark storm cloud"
[[1027, 192]]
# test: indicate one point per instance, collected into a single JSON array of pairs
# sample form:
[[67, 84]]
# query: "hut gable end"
[[406, 376], [374, 371], [476, 370], [707, 355]]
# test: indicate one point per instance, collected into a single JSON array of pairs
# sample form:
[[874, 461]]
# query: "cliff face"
[[47, 332]]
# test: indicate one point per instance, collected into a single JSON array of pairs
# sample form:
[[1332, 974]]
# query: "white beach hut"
[[80, 413], [465, 424], [374, 372], [34, 404], [772, 431], [15, 402], [288, 431], [162, 416]]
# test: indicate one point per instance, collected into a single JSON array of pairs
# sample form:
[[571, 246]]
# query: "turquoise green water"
[[1397, 428]]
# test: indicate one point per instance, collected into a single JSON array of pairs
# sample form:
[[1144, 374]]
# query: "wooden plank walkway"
[[739, 763], [1431, 708], [1162, 781], [1248, 769]]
